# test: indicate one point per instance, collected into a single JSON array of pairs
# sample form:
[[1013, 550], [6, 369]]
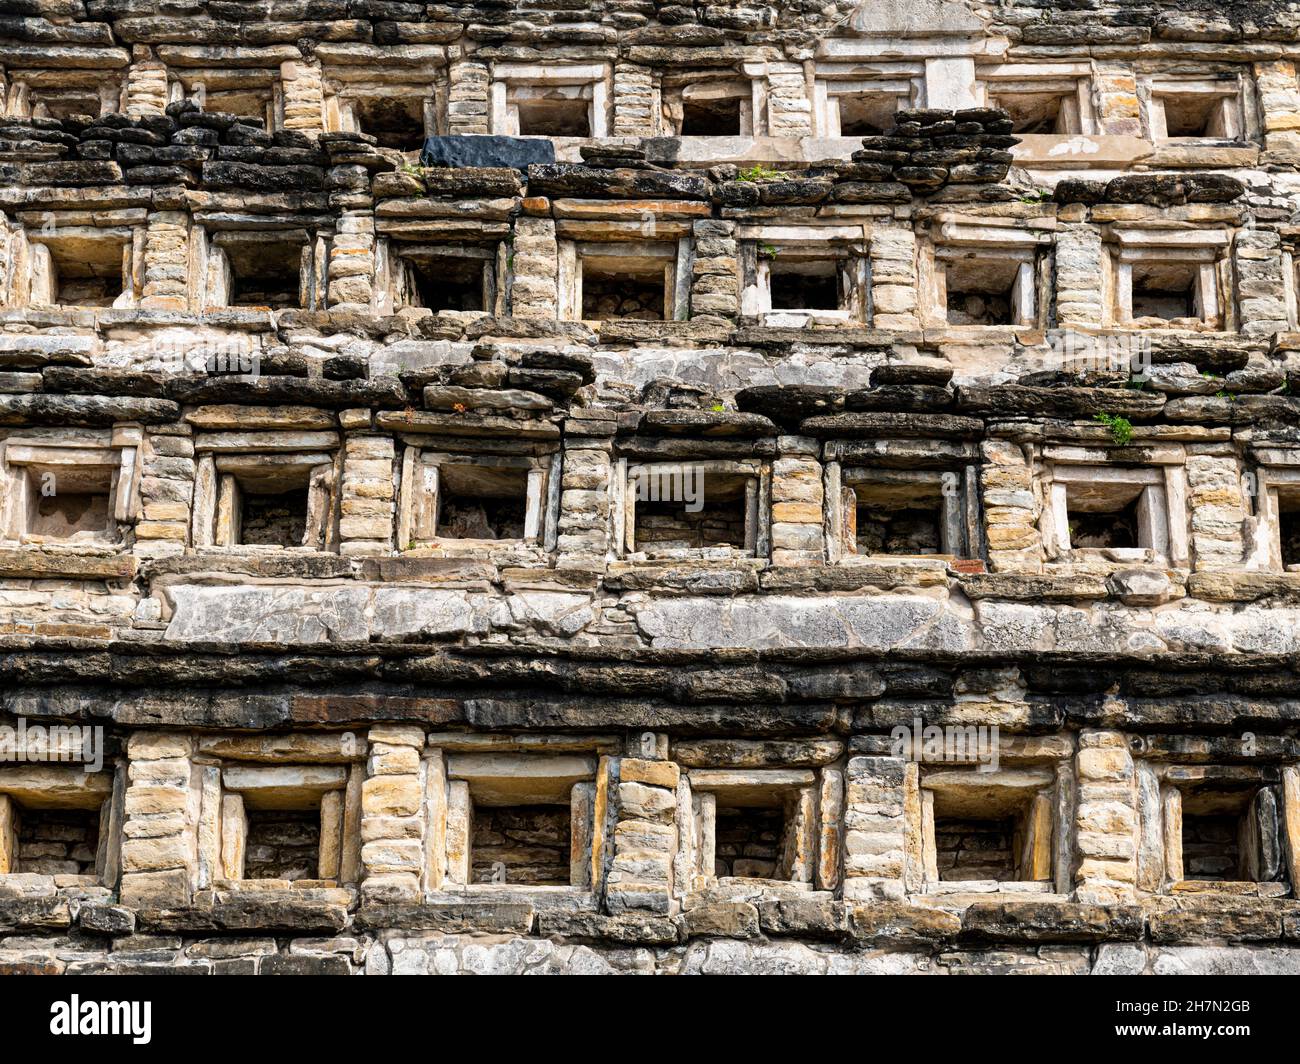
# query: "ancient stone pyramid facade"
[[651, 487]]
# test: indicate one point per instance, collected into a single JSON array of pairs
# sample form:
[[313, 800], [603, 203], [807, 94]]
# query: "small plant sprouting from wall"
[[759, 172], [1121, 429]]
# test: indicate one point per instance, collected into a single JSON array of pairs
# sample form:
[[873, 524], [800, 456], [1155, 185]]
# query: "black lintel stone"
[[911, 373], [706, 423], [919, 398], [790, 404], [885, 425], [514, 152], [1016, 399]]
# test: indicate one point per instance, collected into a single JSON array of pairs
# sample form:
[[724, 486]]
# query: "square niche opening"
[[250, 104], [867, 114], [87, 273], [1196, 114], [1165, 290], [711, 117], [627, 287], [273, 517], [807, 284], [441, 281], [265, 272], [71, 503], [524, 845], [749, 837], [283, 838], [717, 516], [395, 121], [268, 501], [898, 518], [981, 835], [527, 819], [57, 841], [1288, 520], [556, 111], [71, 101], [1104, 515], [981, 291], [1220, 837], [481, 501], [1036, 112]]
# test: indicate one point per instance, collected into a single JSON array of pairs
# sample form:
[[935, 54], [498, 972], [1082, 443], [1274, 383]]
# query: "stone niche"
[[711, 509], [284, 823], [560, 100], [988, 830], [711, 103], [1171, 279], [470, 500], [443, 277], [900, 498], [759, 823], [60, 94], [517, 820], [984, 272], [1042, 98], [1188, 107], [794, 275], [60, 820], [1218, 828], [252, 94], [68, 486], [280, 501], [1117, 513], [852, 100], [630, 279], [901, 512], [83, 266], [274, 269], [399, 108], [1275, 543]]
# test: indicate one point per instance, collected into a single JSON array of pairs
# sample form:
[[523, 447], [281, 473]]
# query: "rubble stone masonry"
[[946, 377]]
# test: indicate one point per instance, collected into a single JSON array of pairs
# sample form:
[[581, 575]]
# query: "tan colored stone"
[[391, 796], [654, 773]]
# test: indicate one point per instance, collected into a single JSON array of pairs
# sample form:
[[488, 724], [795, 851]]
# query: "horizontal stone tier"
[[845, 691], [750, 937], [362, 850]]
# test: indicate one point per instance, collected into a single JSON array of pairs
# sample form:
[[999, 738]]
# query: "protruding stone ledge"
[[1225, 586], [495, 917], [1192, 920], [819, 918], [899, 923], [35, 914], [879, 425], [38, 565], [669, 333], [1073, 587], [83, 411], [107, 919], [260, 911], [725, 919], [1044, 921], [628, 928]]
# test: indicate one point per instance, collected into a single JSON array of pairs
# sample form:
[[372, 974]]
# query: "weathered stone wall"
[[473, 703]]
